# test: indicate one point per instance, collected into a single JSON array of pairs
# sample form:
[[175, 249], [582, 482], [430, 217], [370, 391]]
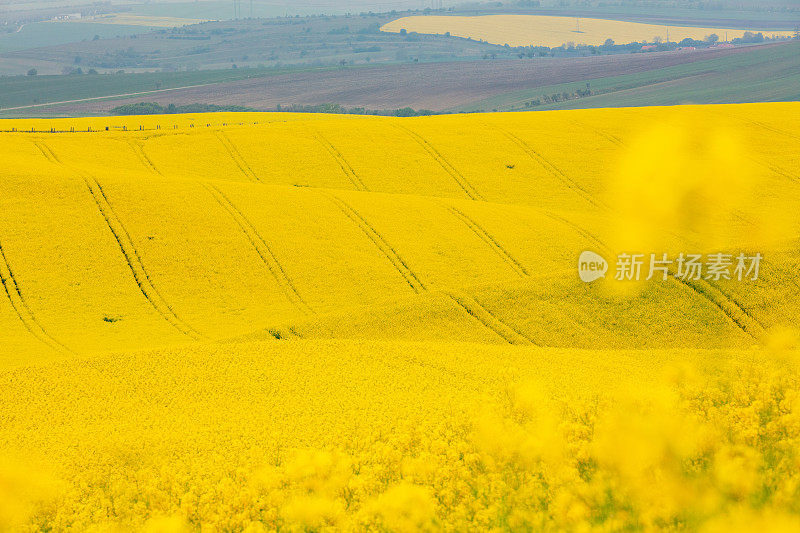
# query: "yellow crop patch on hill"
[[302, 322], [536, 30]]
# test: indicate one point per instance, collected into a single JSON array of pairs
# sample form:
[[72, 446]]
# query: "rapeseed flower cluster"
[[697, 450]]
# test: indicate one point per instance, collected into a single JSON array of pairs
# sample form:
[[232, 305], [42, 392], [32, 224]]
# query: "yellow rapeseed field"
[[266, 322], [539, 30]]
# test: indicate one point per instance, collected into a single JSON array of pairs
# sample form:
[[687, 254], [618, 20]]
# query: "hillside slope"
[[469, 228], [754, 74], [263, 322]]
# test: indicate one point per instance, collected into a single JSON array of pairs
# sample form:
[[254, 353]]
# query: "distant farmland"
[[439, 87], [534, 30], [759, 74]]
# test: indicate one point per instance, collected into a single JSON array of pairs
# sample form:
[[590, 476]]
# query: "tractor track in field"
[[262, 249], [129, 252], [47, 152], [730, 298], [579, 230], [756, 123], [724, 302], [777, 170], [480, 313], [486, 237], [382, 244], [132, 257], [21, 308], [771, 128], [235, 155], [613, 139], [553, 170], [138, 149], [733, 309], [471, 192], [341, 161], [769, 166]]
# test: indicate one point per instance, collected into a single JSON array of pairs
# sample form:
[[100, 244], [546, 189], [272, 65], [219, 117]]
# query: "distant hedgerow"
[[153, 108]]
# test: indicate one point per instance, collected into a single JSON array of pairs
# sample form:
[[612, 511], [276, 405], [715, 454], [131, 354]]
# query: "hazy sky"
[[222, 9], [322, 5]]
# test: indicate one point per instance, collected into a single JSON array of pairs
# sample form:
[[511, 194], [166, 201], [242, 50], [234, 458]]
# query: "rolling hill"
[[299, 220], [286, 321], [755, 74]]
